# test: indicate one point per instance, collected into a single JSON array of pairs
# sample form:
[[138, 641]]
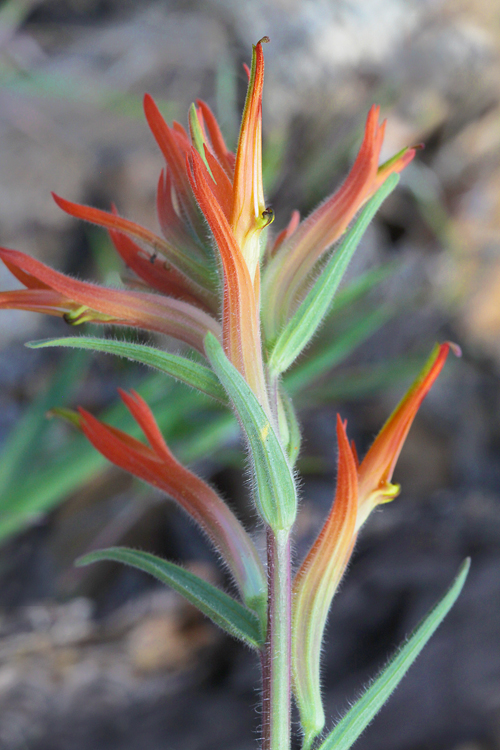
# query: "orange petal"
[[154, 271], [289, 271], [241, 327], [248, 216], [112, 221], [174, 145], [225, 157]]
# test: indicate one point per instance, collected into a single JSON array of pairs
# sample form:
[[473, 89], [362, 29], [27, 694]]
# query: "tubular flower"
[[235, 210], [156, 465], [288, 273], [360, 488], [203, 182], [376, 470], [78, 302], [315, 585]]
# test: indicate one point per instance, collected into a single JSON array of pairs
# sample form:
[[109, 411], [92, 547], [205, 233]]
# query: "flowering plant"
[[249, 303]]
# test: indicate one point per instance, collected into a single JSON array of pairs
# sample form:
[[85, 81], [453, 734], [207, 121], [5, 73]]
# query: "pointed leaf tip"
[[221, 608], [355, 721]]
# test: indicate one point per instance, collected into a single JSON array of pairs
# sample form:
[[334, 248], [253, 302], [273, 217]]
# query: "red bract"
[[156, 465], [288, 274], [377, 467], [78, 301]]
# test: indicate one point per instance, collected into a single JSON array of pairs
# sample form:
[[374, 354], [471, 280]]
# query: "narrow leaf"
[[192, 373], [360, 715], [221, 608], [303, 324], [275, 487]]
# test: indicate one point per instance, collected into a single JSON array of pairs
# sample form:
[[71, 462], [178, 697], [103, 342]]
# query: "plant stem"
[[276, 665]]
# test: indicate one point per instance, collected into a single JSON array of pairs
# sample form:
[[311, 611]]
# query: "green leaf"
[[360, 715], [304, 323], [192, 373], [221, 608], [275, 488]]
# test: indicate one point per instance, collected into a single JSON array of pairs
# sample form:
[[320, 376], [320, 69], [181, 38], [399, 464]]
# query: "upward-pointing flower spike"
[[249, 215], [376, 469]]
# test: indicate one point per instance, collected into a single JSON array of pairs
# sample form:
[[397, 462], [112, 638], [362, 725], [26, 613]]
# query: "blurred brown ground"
[[107, 660]]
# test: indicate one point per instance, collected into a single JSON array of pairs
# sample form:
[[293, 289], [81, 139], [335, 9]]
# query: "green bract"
[[274, 484]]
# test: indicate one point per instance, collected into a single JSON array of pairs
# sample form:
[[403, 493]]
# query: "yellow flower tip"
[[387, 493]]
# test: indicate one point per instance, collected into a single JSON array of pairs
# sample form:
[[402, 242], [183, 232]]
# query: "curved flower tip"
[[295, 258], [376, 469]]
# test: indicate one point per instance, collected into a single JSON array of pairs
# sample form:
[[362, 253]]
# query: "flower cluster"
[[218, 281]]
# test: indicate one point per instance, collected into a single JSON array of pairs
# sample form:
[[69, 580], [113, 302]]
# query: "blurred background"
[[103, 657]]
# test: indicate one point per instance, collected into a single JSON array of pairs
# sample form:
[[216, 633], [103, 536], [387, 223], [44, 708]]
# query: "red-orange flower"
[[359, 489], [314, 587], [288, 273], [54, 293], [156, 465], [376, 469]]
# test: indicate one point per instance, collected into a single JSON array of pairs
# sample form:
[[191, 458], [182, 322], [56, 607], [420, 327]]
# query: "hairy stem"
[[276, 665]]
